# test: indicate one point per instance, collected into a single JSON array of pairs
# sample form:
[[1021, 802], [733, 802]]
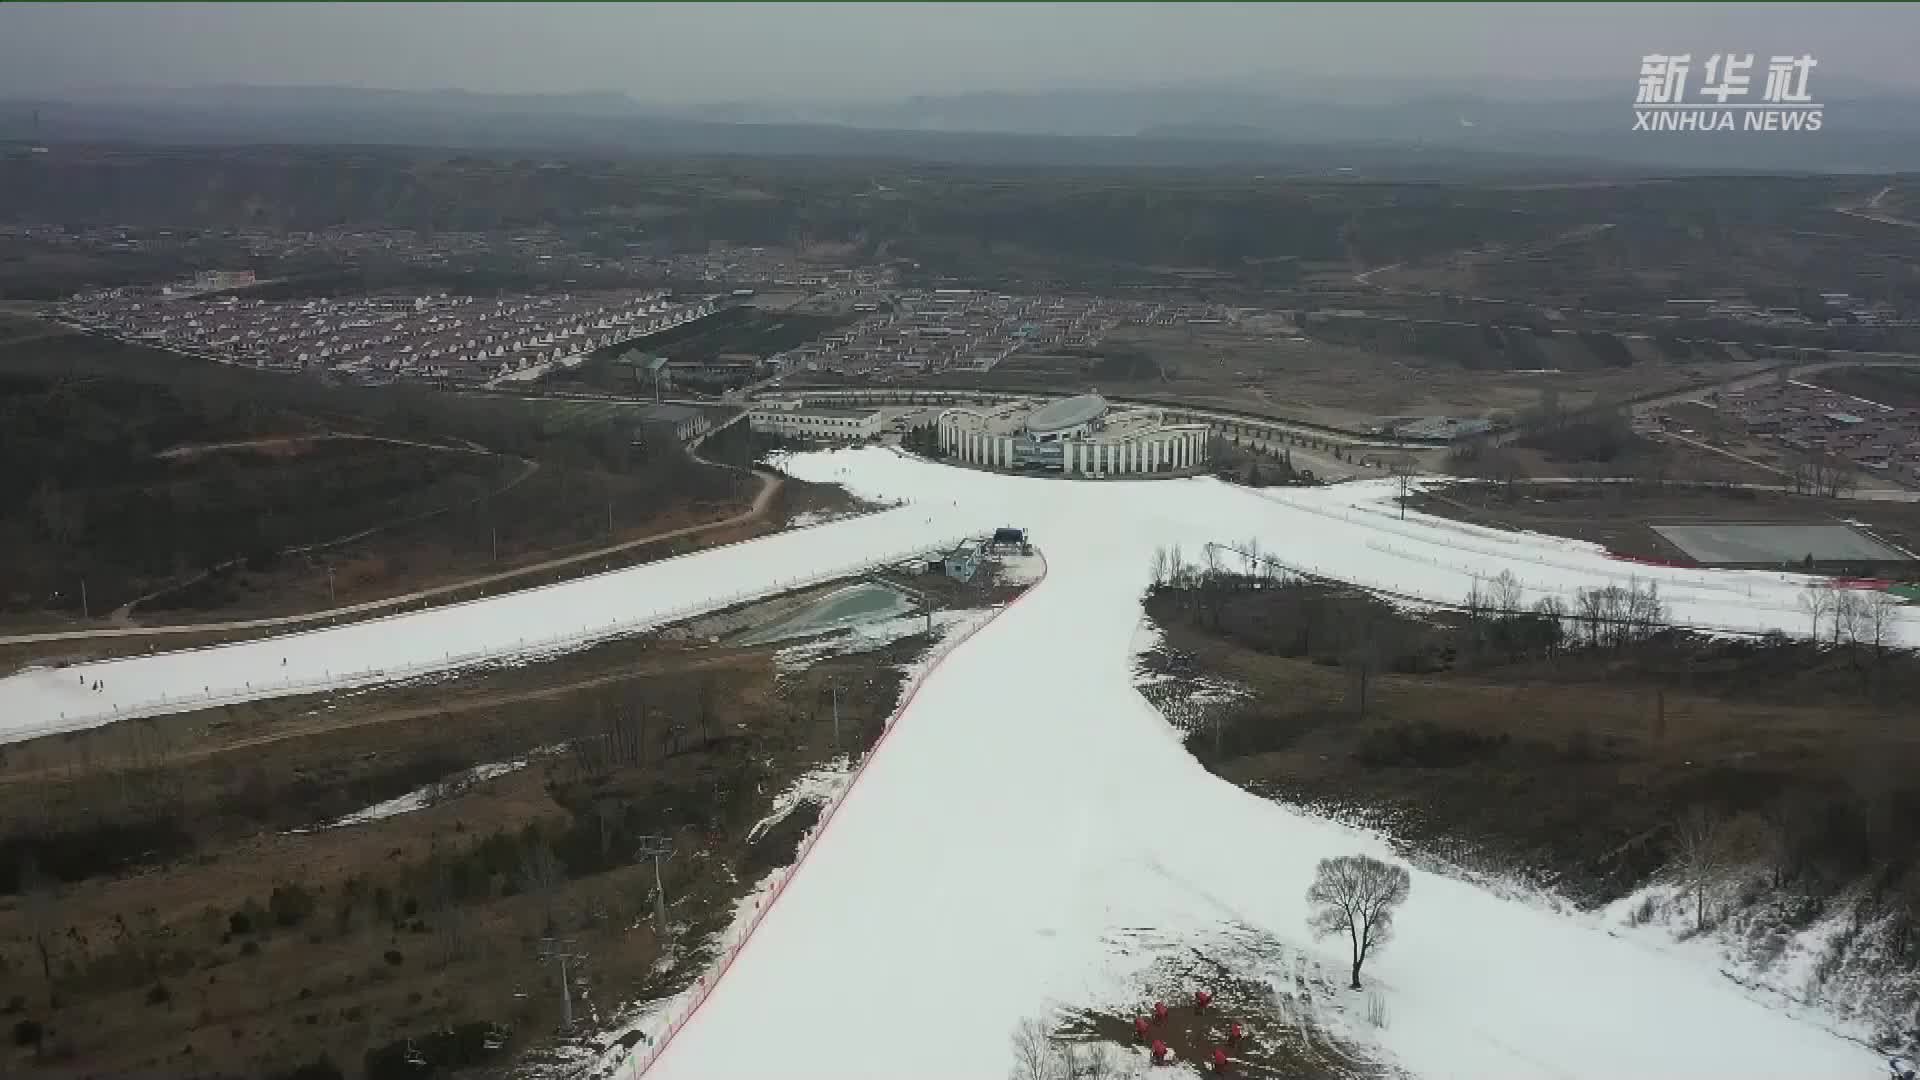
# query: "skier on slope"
[[1900, 1068]]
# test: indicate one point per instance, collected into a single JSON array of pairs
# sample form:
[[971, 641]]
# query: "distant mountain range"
[[1453, 127]]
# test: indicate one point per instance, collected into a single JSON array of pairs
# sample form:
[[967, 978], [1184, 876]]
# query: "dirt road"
[[769, 484]]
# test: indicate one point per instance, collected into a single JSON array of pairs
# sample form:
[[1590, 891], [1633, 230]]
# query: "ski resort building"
[[794, 418], [1077, 436]]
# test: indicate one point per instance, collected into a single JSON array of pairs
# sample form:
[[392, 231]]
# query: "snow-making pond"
[[840, 610]]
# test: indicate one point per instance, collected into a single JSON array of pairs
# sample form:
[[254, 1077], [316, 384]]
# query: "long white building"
[[795, 419], [1077, 436]]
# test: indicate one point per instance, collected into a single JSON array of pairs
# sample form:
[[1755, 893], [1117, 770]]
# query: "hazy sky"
[[670, 53]]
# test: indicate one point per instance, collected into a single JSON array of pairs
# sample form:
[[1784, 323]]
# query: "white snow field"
[[1030, 814], [567, 615], [1031, 820]]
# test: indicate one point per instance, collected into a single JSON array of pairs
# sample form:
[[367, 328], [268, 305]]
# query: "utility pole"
[[552, 950], [836, 716], [657, 848], [330, 595], [85, 612]]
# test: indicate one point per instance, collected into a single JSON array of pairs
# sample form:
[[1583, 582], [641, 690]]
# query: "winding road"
[[770, 483]]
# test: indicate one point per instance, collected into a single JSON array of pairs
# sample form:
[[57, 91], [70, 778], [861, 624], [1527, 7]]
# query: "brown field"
[[188, 930], [791, 499], [1567, 768], [1267, 370], [1618, 516]]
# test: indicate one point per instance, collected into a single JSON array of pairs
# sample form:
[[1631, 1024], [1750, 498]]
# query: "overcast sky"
[[704, 53]]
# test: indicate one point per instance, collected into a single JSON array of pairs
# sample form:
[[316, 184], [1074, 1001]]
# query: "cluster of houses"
[[1810, 420], [768, 267], [1835, 309], [428, 336], [919, 333]]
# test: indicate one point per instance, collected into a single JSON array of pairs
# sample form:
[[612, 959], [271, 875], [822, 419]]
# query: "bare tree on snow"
[[1699, 851], [1032, 1052], [1505, 594], [1818, 601], [1356, 895]]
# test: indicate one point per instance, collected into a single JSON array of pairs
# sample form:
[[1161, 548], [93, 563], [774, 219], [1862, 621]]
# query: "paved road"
[[1873, 495], [190, 449]]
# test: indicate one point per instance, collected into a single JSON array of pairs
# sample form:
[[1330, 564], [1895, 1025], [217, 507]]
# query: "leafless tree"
[[1592, 606], [1824, 474], [1552, 611], [541, 874], [1849, 616], [450, 939], [1817, 601], [1356, 895], [1401, 465], [1032, 1052], [1646, 613], [1505, 594], [1880, 622], [1753, 841], [706, 696], [1160, 566], [1700, 851], [1476, 605], [1842, 480], [1363, 664]]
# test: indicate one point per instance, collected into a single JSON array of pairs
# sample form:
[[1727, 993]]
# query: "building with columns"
[[1077, 436]]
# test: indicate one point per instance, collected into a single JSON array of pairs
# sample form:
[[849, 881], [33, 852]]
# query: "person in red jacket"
[[1159, 1012], [1219, 1060], [1140, 1029], [1159, 1052], [1235, 1034], [1200, 1000]]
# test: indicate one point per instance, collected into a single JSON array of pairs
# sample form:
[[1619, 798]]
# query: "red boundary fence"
[[1649, 561], [736, 939], [1838, 583]]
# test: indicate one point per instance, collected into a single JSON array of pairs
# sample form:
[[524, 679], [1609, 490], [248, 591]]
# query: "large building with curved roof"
[[1083, 435]]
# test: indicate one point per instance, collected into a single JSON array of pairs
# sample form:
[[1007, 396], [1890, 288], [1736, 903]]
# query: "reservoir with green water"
[[838, 610]]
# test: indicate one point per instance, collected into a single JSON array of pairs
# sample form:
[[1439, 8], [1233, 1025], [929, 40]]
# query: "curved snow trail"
[[570, 614], [1030, 808]]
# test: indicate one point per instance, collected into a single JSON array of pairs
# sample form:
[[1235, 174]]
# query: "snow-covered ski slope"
[[567, 615], [1031, 820]]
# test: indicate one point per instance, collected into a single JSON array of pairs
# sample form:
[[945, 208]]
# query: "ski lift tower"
[[659, 849], [552, 949]]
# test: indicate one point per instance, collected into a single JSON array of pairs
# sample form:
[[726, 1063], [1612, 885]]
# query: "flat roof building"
[[795, 419]]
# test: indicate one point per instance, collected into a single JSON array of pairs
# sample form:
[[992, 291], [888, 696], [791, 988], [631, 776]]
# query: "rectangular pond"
[[838, 610], [1715, 542]]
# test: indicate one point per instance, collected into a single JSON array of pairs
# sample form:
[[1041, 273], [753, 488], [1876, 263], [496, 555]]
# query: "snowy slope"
[[566, 615], [1031, 810]]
